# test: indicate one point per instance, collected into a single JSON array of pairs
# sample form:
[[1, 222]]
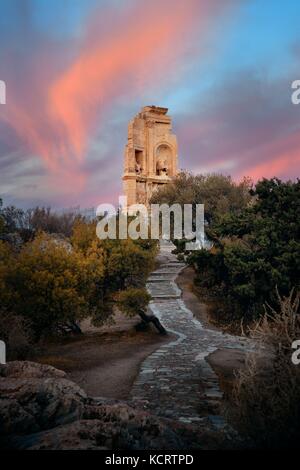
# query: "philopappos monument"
[[150, 154]]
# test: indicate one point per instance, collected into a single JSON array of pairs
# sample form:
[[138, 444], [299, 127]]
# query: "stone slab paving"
[[176, 381]]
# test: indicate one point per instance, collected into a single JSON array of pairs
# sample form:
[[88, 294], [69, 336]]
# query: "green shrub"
[[132, 300], [53, 282], [255, 251]]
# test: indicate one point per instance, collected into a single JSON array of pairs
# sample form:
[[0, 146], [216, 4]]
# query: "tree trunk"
[[70, 327], [152, 319]]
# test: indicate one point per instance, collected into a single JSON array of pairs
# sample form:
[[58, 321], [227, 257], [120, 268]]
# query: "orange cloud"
[[281, 158], [28, 129], [121, 53], [144, 40], [279, 167]]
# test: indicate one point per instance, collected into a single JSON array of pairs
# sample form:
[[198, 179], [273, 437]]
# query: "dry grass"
[[266, 395], [279, 329]]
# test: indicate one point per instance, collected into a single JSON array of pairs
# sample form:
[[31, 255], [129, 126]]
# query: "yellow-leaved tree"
[[53, 285]]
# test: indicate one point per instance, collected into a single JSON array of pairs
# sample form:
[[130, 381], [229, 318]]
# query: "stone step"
[[174, 265], [156, 274], [166, 271], [171, 295], [166, 296]]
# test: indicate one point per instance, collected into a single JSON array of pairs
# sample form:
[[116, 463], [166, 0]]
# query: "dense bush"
[[132, 300], [219, 194], [256, 250], [53, 282], [49, 284], [126, 263]]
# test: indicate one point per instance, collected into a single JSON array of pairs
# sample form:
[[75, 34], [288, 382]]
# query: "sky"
[[76, 71]]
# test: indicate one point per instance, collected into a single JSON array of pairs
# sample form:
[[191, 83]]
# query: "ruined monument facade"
[[150, 154]]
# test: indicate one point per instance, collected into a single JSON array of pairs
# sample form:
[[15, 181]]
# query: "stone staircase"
[[176, 381]]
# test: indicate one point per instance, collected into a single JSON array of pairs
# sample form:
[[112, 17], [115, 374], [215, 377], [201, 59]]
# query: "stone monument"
[[150, 154]]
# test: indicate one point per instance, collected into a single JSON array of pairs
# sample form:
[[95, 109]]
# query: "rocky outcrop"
[[41, 409], [29, 370], [34, 397]]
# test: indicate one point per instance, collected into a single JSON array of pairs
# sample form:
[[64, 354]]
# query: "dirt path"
[[104, 361], [185, 280]]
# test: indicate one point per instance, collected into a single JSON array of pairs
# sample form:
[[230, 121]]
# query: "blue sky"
[[224, 69]]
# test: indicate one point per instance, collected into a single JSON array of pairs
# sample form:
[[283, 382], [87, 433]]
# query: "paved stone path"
[[176, 381]]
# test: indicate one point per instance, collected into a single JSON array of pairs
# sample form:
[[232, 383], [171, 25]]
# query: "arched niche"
[[163, 160], [139, 161]]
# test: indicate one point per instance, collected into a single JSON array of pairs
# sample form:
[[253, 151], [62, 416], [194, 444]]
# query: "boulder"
[[27, 369], [34, 397], [41, 409]]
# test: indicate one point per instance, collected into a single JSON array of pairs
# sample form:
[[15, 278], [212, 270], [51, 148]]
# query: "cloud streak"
[[119, 51], [250, 128], [71, 92], [143, 42]]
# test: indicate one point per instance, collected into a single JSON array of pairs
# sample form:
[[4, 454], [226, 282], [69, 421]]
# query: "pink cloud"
[[280, 158], [119, 53], [142, 47], [251, 130]]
